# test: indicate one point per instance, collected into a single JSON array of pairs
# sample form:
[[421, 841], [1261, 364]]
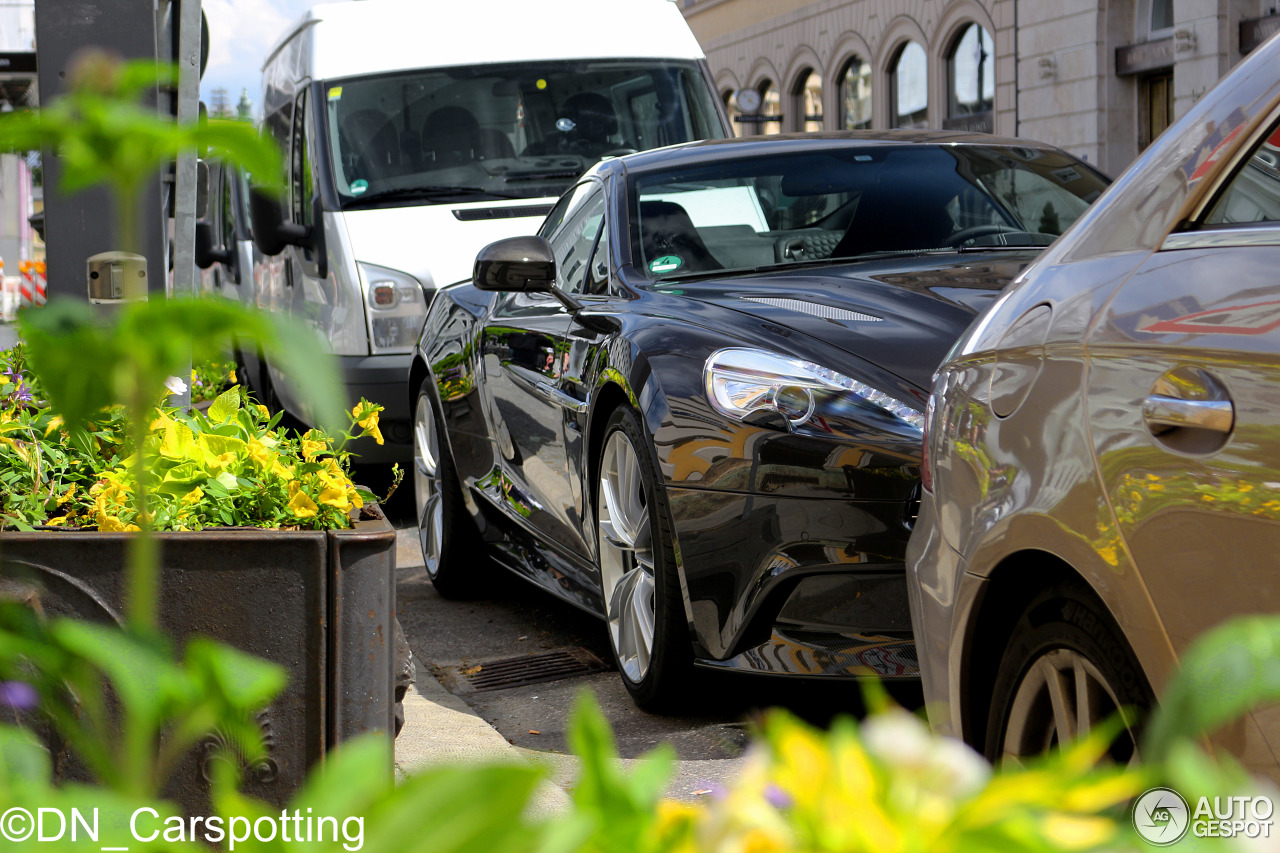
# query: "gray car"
[[1102, 481]]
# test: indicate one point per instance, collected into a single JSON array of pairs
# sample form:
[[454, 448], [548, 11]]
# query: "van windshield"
[[504, 131]]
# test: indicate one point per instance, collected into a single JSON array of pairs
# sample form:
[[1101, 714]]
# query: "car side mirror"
[[206, 253], [522, 264], [270, 232]]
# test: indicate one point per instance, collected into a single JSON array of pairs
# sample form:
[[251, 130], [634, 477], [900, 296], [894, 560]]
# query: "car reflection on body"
[[692, 404], [1105, 448]]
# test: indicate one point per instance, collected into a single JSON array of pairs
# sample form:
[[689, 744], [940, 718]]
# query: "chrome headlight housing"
[[395, 308], [741, 381]]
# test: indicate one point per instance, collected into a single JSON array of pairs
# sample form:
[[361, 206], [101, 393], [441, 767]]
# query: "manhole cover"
[[517, 672]]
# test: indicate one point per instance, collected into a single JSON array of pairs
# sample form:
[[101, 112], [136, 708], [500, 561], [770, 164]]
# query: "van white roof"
[[371, 36]]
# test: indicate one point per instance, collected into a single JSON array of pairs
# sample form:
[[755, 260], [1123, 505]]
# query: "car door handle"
[[562, 398], [1215, 415]]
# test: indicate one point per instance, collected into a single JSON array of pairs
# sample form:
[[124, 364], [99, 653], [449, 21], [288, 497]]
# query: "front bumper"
[[802, 586], [382, 379], [934, 574]]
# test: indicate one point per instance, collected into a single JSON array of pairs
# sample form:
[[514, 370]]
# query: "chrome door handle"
[[562, 398], [1214, 415]]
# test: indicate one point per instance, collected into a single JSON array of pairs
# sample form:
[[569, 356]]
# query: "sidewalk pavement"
[[439, 728]]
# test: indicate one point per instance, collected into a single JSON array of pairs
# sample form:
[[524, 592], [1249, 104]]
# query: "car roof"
[[692, 153]]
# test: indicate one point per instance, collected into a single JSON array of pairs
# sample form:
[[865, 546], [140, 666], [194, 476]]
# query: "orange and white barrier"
[[34, 287]]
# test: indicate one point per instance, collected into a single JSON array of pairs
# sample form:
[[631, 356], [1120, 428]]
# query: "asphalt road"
[[518, 621]]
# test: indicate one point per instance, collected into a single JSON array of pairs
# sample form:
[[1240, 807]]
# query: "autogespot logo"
[[1161, 816]]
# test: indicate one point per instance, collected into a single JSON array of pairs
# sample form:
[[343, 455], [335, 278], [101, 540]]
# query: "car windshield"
[[749, 213], [504, 131]]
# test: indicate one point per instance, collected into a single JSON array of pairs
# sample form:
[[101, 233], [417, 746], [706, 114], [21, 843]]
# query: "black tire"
[[642, 573], [1064, 631], [452, 549]]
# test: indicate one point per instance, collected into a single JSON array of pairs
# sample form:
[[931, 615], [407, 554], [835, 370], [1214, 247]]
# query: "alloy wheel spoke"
[[1060, 700]]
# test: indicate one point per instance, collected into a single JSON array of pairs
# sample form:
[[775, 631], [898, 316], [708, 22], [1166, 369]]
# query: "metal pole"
[[184, 209]]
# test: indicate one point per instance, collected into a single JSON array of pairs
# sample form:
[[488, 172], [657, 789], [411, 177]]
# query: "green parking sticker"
[[358, 186], [666, 263]]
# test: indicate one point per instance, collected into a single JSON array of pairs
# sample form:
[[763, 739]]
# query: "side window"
[[1252, 194], [598, 269], [228, 210], [302, 185], [572, 244]]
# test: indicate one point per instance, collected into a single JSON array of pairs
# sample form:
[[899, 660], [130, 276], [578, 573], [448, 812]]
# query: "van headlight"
[[395, 307], [741, 381]]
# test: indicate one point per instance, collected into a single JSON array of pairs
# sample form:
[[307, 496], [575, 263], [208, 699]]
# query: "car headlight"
[[395, 306], [741, 381]]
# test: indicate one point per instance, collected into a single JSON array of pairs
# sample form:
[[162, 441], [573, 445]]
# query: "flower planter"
[[319, 603]]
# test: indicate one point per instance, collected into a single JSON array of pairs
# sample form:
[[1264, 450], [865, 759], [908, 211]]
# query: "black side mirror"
[[523, 264], [270, 232], [206, 253]]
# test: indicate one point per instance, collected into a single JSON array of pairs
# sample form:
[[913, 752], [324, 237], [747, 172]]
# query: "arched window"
[[971, 81], [770, 108], [910, 76], [731, 107], [807, 101], [855, 95]]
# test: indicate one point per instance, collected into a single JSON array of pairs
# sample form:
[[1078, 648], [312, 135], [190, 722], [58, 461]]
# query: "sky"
[[241, 33]]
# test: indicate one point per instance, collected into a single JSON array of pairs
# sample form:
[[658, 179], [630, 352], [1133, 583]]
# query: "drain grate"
[[518, 672]]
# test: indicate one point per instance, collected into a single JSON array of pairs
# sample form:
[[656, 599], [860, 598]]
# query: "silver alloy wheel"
[[427, 484], [1060, 698], [626, 557]]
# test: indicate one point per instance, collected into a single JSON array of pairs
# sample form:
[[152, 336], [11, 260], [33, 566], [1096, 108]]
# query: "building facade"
[[1099, 78]]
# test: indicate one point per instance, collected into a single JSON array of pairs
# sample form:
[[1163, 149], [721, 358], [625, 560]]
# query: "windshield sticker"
[[358, 186], [335, 92], [541, 84], [666, 263], [564, 125]]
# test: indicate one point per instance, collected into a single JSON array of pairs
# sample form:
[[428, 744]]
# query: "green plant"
[[211, 378]]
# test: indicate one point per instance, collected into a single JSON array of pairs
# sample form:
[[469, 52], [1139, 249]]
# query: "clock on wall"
[[748, 100]]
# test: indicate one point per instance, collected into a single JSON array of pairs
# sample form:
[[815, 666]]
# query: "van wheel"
[[644, 609], [451, 546], [1067, 668]]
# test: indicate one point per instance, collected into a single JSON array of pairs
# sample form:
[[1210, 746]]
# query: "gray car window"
[[1252, 194]]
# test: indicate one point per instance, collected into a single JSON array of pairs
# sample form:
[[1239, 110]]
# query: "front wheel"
[[648, 631], [1067, 669], [451, 547]]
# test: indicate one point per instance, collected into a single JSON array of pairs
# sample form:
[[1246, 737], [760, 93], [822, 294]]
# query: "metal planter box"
[[319, 603]]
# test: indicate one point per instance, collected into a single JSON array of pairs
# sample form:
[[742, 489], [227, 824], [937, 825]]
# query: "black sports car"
[[692, 404]]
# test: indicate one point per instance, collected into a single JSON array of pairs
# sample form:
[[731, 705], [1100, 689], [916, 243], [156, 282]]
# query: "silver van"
[[415, 134]]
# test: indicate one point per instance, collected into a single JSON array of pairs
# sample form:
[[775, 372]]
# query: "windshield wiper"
[[513, 177], [426, 191]]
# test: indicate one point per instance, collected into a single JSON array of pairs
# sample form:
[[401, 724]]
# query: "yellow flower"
[[263, 411], [369, 423], [54, 423], [66, 496], [258, 453], [232, 374], [311, 446], [302, 506], [193, 497]]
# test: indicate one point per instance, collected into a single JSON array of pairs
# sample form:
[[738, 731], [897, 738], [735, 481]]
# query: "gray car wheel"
[[1066, 670], [451, 548], [648, 631]]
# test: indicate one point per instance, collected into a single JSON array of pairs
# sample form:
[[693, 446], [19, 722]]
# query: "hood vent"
[[826, 312]]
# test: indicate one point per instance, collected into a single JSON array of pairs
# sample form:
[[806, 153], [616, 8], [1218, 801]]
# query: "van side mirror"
[[208, 254], [523, 264], [270, 232]]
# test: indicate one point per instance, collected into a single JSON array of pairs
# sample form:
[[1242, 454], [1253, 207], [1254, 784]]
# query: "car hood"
[[438, 243], [902, 314]]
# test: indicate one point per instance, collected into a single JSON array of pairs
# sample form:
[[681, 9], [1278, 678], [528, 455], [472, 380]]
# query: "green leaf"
[[248, 683], [73, 356], [225, 407], [22, 758], [1226, 672], [143, 675], [302, 356]]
